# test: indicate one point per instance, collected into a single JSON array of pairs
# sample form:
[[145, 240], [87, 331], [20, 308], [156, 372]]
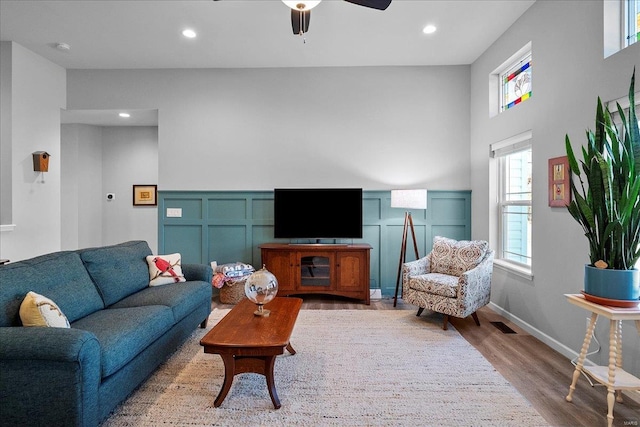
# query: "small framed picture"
[[559, 176], [145, 195]]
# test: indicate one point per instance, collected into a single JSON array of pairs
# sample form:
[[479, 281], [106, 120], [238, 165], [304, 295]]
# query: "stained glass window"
[[515, 83]]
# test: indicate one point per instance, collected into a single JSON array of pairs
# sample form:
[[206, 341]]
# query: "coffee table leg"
[[269, 363], [229, 370], [290, 349]]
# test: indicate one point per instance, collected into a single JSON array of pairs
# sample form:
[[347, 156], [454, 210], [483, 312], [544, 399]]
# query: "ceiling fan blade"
[[300, 21], [373, 4]]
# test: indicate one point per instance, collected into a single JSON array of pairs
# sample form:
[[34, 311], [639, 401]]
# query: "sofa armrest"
[[197, 272], [50, 376], [414, 268], [474, 286]]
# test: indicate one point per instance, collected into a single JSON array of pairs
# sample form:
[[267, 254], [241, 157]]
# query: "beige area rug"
[[352, 368]]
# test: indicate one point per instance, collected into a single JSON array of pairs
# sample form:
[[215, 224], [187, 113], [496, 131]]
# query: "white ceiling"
[[254, 33], [145, 34]]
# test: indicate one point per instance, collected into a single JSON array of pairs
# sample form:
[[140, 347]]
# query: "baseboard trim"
[[551, 342], [554, 344]]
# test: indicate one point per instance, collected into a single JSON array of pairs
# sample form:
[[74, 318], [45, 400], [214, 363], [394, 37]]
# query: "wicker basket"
[[232, 292]]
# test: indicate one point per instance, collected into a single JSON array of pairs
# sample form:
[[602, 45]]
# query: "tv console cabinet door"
[[315, 271], [280, 264], [352, 271]]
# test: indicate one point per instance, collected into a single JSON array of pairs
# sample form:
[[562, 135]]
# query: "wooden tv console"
[[332, 269]]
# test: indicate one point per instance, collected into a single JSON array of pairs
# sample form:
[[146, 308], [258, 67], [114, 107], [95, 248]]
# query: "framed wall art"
[[145, 195], [559, 176]]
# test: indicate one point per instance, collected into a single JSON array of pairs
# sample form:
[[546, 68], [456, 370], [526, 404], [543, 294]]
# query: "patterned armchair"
[[454, 279]]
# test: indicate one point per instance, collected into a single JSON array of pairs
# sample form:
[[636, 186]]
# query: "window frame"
[[504, 204], [499, 150], [630, 27], [508, 66]]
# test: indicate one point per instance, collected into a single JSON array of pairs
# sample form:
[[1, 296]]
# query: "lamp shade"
[[409, 199]]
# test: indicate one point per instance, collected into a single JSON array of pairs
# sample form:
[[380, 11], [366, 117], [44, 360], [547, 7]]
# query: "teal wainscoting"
[[229, 226]]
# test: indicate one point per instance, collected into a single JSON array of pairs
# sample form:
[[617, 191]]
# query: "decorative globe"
[[261, 287]]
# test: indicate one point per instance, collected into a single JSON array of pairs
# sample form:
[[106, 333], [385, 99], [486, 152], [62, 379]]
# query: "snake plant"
[[607, 205]]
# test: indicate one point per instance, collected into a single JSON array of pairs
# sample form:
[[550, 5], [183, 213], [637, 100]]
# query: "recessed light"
[[429, 29], [125, 115], [189, 33]]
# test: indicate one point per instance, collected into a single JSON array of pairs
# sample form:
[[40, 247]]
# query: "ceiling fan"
[[301, 11]]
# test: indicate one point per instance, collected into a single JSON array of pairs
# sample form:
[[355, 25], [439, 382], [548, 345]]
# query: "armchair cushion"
[[454, 257], [435, 283]]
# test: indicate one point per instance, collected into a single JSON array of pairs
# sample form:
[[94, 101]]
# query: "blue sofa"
[[121, 331]]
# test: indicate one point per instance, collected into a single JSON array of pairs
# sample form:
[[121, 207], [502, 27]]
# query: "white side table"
[[612, 376]]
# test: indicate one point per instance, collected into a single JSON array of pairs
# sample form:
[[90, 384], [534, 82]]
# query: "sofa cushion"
[[118, 270], [60, 276], [165, 269], [454, 257], [182, 298], [436, 284], [38, 310], [124, 332]]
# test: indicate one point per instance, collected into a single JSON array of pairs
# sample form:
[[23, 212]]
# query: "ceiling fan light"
[[301, 5]]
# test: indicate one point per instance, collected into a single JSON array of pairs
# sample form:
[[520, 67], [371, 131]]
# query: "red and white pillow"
[[165, 269]]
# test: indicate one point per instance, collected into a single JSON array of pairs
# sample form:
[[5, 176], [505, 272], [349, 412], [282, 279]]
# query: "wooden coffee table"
[[250, 343]]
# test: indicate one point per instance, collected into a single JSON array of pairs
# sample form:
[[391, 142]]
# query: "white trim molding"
[[7, 227]]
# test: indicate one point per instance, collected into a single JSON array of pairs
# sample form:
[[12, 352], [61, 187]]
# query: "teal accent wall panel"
[[227, 209], [228, 243], [229, 226], [183, 239], [371, 235], [262, 209]]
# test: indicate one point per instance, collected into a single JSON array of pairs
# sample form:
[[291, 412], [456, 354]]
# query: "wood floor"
[[538, 372]]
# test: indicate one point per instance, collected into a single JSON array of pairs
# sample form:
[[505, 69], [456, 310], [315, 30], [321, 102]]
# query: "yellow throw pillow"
[[37, 310], [165, 269]]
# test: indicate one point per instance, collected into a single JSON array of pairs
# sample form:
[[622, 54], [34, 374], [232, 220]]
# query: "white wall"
[[98, 160], [256, 129], [129, 156], [81, 183], [5, 133], [38, 91], [569, 72]]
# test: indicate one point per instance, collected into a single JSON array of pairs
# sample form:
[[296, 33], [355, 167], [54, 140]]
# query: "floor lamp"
[[407, 199]]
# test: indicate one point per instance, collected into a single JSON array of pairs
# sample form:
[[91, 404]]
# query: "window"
[[621, 27], [631, 22], [510, 83], [515, 84], [514, 190]]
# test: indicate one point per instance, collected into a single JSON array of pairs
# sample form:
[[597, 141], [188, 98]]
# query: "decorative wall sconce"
[[41, 161]]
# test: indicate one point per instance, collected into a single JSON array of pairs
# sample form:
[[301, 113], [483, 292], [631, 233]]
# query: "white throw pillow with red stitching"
[[165, 269]]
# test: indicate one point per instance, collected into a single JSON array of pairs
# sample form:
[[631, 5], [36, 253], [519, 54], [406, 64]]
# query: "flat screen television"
[[317, 213]]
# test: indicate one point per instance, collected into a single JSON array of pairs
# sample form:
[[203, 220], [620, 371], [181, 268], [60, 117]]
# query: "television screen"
[[318, 213]]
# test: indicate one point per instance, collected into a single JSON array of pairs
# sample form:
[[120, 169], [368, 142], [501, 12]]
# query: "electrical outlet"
[[174, 212]]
